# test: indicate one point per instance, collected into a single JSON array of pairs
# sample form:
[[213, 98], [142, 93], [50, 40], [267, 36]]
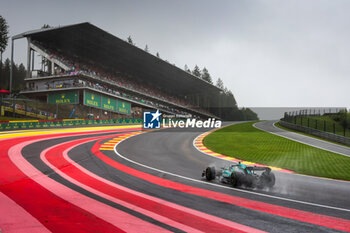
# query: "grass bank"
[[245, 142]]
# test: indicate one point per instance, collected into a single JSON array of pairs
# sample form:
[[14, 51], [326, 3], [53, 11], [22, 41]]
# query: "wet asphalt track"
[[172, 151]]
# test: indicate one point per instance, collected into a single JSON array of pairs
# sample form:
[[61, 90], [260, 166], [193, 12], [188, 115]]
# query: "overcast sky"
[[270, 53]]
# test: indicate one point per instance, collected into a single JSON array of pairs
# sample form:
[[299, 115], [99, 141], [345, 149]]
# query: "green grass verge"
[[245, 142]]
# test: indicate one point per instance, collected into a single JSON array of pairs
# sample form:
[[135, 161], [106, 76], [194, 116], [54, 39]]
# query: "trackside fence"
[[316, 132], [334, 123]]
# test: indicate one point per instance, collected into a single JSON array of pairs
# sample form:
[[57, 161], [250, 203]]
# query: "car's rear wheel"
[[210, 173], [271, 180], [234, 179], [268, 179]]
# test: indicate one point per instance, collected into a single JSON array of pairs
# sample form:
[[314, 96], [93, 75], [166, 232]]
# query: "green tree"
[[46, 26], [196, 71], [5, 74], [226, 90], [19, 73], [220, 84], [130, 41], [247, 114], [4, 30], [187, 69], [18, 78], [232, 98], [146, 49], [206, 76]]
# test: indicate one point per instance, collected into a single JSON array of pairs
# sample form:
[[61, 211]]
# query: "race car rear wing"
[[255, 168]]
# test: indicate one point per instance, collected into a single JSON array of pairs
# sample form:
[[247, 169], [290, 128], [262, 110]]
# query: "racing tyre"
[[210, 173], [234, 179], [268, 180], [271, 180]]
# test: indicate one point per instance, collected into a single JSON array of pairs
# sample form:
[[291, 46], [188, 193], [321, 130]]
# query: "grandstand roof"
[[88, 41]]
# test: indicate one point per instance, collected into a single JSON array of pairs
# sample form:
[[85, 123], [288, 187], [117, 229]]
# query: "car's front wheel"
[[234, 179], [210, 173]]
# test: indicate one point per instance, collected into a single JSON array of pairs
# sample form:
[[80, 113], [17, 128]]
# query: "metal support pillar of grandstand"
[[11, 67], [52, 68], [32, 60], [28, 59]]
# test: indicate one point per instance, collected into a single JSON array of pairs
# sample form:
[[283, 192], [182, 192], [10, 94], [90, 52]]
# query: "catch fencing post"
[[316, 125]]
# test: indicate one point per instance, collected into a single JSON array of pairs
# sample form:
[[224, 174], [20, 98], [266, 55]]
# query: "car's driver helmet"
[[241, 165]]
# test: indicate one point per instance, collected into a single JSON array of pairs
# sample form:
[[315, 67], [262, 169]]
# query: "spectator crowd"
[[115, 78]]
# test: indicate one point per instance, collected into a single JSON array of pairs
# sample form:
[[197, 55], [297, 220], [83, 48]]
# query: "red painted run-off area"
[[60, 215], [54, 213]]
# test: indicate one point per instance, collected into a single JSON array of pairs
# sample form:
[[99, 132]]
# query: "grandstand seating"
[[82, 58], [142, 93]]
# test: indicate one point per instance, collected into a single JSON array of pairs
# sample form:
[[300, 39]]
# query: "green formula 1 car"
[[242, 175]]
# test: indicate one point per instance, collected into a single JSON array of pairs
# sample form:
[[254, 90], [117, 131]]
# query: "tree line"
[[225, 104], [19, 73], [4, 31]]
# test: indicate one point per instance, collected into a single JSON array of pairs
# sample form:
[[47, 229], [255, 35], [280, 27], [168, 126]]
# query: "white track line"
[[222, 186]]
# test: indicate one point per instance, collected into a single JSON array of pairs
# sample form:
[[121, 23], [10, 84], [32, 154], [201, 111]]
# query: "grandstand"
[[83, 65]]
